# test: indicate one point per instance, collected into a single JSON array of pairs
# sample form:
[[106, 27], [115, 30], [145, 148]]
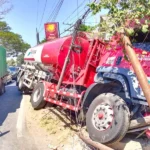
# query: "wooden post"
[[93, 143], [139, 122], [137, 67]]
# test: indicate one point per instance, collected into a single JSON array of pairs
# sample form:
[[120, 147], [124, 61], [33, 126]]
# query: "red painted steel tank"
[[54, 52]]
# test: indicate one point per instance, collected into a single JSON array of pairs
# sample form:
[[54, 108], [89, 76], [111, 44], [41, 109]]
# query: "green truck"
[[3, 69]]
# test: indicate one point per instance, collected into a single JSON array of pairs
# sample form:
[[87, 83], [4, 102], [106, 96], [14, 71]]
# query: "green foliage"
[[11, 62], [86, 28], [43, 41], [4, 26], [20, 59], [121, 13], [11, 40]]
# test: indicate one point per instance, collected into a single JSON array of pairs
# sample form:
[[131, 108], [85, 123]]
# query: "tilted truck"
[[3, 69], [89, 77]]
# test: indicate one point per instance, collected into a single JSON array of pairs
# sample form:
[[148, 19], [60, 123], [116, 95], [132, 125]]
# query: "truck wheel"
[[21, 86], [37, 98], [2, 89], [17, 81], [107, 119]]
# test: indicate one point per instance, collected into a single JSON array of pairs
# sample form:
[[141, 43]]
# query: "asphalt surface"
[[9, 111]]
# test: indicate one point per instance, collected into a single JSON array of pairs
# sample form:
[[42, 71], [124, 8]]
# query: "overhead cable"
[[55, 12], [75, 10], [55, 15], [43, 13], [37, 14]]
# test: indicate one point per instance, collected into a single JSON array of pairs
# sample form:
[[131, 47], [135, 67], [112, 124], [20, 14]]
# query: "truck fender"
[[120, 79], [103, 87], [93, 91]]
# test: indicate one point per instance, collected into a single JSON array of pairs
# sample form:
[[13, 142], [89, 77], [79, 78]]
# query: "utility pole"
[[37, 37]]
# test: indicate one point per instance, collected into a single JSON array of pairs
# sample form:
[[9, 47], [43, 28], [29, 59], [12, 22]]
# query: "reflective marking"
[[67, 106], [64, 92], [79, 96]]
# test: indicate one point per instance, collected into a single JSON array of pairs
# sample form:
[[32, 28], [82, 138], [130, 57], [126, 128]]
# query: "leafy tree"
[[11, 62], [86, 28], [123, 15], [4, 26], [11, 40], [24, 47], [20, 60], [43, 41]]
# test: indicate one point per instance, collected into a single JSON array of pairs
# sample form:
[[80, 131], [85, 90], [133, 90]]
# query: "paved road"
[[9, 110]]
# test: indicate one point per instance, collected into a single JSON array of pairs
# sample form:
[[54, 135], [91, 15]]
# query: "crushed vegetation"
[[56, 130]]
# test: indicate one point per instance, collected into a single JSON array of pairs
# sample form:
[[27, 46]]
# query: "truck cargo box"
[[3, 65]]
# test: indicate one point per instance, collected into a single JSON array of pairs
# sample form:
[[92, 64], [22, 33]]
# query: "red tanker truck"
[[89, 77]]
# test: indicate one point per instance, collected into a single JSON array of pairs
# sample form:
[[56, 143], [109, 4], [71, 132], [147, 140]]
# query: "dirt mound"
[[52, 128]]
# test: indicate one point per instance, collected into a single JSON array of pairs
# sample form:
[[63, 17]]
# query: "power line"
[[55, 15], [83, 16], [78, 13], [66, 30], [48, 13], [37, 14], [55, 12], [75, 10], [43, 13]]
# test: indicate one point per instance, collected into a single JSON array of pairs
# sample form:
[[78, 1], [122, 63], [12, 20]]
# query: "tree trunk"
[[142, 78]]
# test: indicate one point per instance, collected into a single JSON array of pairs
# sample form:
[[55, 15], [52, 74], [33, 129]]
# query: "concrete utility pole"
[[37, 37]]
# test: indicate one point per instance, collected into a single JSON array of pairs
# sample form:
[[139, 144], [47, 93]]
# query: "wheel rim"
[[36, 95], [102, 117]]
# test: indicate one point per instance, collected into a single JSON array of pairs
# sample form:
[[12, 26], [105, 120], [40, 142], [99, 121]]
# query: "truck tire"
[[17, 81], [2, 88], [21, 86], [37, 98], [18, 78], [107, 119]]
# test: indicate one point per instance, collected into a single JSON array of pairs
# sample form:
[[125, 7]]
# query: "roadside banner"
[[51, 30]]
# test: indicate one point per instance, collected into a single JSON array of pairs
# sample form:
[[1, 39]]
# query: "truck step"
[[28, 80], [71, 107], [73, 95], [27, 85]]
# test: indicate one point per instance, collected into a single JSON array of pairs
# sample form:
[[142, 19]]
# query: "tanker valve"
[[77, 48]]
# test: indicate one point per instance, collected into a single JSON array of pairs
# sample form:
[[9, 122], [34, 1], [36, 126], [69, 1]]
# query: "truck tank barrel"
[[54, 53]]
